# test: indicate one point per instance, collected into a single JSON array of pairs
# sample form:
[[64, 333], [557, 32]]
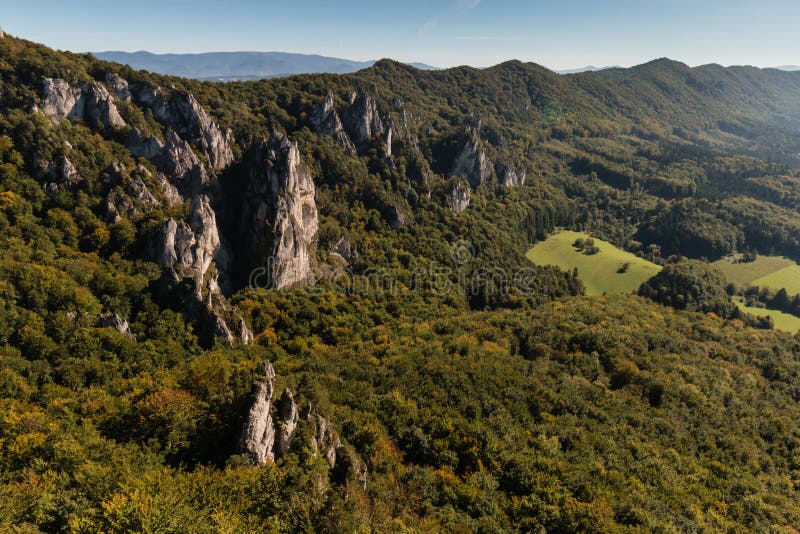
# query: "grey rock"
[[144, 146], [179, 162], [472, 162], [395, 217], [184, 114], [458, 197], [509, 177], [169, 191], [289, 415], [326, 441], [120, 324], [61, 100], [119, 86], [62, 176], [362, 119], [344, 249], [279, 219], [258, 435], [100, 109], [326, 121], [194, 246], [90, 102], [245, 334], [2, 34]]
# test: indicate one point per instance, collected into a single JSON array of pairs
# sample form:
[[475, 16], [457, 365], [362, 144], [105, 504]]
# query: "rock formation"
[[259, 442], [258, 435], [120, 324], [178, 160], [288, 414], [90, 102], [362, 119], [119, 86], [326, 121], [458, 197], [144, 146], [509, 177], [184, 114], [279, 216], [472, 162], [58, 176], [194, 246]]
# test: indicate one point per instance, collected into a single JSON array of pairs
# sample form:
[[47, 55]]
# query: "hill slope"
[[159, 240]]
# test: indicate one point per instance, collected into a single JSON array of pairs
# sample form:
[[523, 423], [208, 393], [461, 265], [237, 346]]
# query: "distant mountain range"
[[588, 68], [236, 66], [789, 67]]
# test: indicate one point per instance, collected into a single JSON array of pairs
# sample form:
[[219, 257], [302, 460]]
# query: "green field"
[[772, 272], [783, 321], [598, 272]]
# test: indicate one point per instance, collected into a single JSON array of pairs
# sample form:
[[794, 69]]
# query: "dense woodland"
[[477, 409]]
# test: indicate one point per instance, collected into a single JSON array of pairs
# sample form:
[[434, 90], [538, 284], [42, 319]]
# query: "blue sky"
[[565, 34]]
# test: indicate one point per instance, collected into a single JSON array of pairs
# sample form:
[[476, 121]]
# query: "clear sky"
[[560, 35]]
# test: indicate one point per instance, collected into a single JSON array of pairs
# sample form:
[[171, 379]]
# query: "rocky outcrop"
[[361, 119], [259, 442], [90, 102], [194, 246], [183, 113], [279, 220], [178, 161], [325, 441], [119, 86], [58, 176], [458, 197], [118, 323], [472, 162], [343, 249], [100, 108], [509, 177], [288, 414], [326, 121], [61, 100], [144, 146], [2, 34], [258, 435]]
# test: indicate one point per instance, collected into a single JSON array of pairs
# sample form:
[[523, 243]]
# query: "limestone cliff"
[[472, 162], [279, 217]]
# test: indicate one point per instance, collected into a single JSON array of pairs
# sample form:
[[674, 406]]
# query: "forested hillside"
[[303, 304]]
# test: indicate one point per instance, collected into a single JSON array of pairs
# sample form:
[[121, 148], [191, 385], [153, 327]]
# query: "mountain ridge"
[[236, 66]]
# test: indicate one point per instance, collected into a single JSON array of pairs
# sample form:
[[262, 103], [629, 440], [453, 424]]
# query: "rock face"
[[100, 108], [61, 100], [119, 86], [258, 435], [183, 113], [326, 121], [258, 442], [362, 119], [90, 102], [194, 246], [472, 163], [511, 178], [279, 219], [144, 146], [178, 160], [289, 414], [61, 176], [120, 324], [459, 196]]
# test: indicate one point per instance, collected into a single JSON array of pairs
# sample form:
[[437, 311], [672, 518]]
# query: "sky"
[[444, 33]]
